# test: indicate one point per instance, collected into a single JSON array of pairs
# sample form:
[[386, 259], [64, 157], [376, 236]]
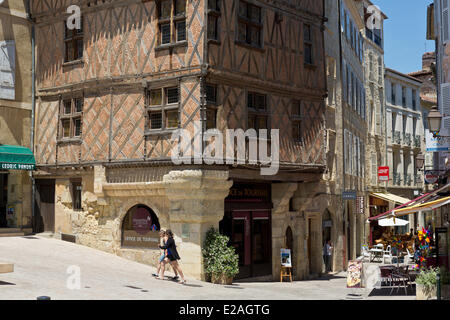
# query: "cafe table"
[[376, 253]]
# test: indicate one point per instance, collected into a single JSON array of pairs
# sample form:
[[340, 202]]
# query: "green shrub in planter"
[[427, 278], [220, 259]]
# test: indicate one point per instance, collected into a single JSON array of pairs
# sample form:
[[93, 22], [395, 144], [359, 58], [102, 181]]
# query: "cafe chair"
[[400, 277], [409, 258], [387, 254], [366, 253]]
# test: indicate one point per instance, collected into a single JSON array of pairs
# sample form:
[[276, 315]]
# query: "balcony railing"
[[417, 141], [397, 181], [407, 141], [418, 179], [396, 138], [407, 179]]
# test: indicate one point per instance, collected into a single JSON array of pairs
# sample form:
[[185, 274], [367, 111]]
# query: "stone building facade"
[[15, 115], [346, 130], [111, 94], [406, 134]]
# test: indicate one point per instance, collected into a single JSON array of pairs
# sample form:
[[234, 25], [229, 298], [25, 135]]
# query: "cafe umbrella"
[[392, 222]]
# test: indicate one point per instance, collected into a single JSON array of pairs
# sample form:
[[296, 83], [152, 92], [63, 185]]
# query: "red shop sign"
[[383, 173]]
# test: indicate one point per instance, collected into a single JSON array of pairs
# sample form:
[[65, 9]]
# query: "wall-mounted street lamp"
[[420, 161], [435, 122]]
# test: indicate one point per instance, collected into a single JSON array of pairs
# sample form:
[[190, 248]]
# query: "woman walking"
[[163, 254], [172, 257]]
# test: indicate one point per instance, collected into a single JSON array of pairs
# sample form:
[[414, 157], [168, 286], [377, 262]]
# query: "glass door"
[[241, 241], [261, 240]]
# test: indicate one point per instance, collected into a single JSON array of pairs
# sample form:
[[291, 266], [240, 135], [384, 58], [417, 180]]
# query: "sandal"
[[182, 282]]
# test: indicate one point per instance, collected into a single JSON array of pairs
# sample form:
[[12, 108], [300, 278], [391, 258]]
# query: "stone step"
[[12, 234], [6, 267], [10, 230]]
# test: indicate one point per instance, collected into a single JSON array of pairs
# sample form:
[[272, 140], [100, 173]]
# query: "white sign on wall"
[[436, 144], [7, 70]]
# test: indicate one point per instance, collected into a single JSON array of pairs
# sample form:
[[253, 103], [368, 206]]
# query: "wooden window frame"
[[258, 113], [214, 14], [164, 108], [211, 105], [74, 184], [73, 36], [173, 20], [72, 116], [249, 25], [308, 43]]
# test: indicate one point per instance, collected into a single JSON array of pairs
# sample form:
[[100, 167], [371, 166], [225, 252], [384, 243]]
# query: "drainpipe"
[[33, 105]]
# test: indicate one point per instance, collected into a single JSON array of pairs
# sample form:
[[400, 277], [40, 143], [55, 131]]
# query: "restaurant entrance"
[[3, 198], [247, 221]]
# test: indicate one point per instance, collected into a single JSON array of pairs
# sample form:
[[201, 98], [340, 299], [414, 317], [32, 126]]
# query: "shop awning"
[[16, 158], [431, 205], [425, 197], [391, 197]]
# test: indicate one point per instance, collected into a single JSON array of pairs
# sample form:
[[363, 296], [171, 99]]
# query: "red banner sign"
[[383, 173]]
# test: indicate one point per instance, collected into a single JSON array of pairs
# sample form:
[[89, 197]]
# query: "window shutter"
[[7, 70], [445, 21], [345, 151], [445, 99], [344, 80]]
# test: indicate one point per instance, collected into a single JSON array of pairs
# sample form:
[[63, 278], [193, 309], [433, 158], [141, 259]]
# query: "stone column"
[[281, 194], [196, 204]]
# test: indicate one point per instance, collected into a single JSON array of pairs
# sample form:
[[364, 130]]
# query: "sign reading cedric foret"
[[17, 166]]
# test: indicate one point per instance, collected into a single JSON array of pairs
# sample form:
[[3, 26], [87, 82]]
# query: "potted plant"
[[221, 261], [426, 284]]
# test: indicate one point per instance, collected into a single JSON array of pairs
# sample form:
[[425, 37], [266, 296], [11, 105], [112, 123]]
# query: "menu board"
[[354, 272]]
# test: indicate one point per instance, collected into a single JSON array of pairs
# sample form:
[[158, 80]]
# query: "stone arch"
[[289, 243], [127, 204], [148, 223]]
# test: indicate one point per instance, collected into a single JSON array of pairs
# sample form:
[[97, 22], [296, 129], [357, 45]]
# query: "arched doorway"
[[289, 244], [327, 224], [140, 228]]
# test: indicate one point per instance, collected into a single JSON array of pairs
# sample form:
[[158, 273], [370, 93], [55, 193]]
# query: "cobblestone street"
[[41, 268]]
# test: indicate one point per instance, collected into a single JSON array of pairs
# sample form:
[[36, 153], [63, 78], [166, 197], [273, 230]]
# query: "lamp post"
[[420, 161], [434, 121]]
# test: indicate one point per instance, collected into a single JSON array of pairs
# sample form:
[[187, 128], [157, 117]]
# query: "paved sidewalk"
[[41, 268]]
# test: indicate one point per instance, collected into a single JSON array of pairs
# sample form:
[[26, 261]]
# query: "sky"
[[405, 33]]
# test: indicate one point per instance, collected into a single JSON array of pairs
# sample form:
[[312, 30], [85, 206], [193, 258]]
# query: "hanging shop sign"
[[360, 205], [435, 144], [383, 174], [431, 177], [349, 195]]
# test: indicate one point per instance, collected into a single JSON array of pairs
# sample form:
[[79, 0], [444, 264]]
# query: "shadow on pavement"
[[329, 277], [233, 286], [193, 285], [4, 283], [133, 287], [387, 292]]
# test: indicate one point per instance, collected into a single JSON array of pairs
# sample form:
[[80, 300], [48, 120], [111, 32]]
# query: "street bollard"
[[438, 286], [43, 298]]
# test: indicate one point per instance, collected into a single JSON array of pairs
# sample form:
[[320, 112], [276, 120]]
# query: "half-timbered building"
[[113, 90]]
